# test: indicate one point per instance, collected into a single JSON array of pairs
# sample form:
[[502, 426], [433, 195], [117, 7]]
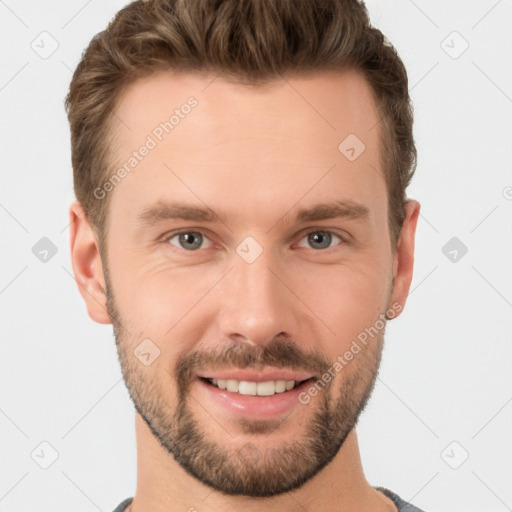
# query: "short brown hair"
[[247, 41]]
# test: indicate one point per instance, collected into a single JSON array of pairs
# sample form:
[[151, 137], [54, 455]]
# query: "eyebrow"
[[169, 211]]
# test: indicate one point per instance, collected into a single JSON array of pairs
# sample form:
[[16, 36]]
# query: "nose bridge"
[[255, 304]]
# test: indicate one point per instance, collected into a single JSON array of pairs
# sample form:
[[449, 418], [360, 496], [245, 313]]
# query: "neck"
[[164, 486]]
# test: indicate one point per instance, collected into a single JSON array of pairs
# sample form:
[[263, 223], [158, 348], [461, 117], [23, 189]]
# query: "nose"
[[256, 302]]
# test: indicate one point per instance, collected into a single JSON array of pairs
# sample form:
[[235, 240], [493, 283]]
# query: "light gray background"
[[446, 372]]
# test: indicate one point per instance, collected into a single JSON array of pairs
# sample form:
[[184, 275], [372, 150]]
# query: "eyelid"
[[345, 237], [165, 238]]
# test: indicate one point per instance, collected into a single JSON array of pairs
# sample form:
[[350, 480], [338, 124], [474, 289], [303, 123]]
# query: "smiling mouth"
[[266, 388]]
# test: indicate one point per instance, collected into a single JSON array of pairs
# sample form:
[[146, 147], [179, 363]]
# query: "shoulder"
[[122, 506], [402, 505]]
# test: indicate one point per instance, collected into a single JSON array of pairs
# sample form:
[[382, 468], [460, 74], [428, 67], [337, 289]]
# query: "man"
[[240, 170]]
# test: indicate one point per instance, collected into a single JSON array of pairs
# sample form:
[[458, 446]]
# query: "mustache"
[[279, 353]]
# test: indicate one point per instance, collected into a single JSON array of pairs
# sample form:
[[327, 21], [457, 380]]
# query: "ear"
[[404, 256], [87, 266]]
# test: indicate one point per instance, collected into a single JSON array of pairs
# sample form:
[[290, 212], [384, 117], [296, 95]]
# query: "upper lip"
[[255, 375]]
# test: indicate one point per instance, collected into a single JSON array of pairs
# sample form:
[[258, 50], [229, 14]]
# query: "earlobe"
[[403, 263], [87, 266]]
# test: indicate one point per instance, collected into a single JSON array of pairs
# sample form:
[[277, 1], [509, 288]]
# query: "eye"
[[321, 239], [188, 240], [193, 240]]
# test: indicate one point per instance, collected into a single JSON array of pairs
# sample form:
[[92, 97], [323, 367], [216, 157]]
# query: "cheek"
[[169, 307], [347, 300]]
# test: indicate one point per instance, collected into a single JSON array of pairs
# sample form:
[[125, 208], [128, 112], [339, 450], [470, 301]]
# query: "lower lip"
[[249, 406]]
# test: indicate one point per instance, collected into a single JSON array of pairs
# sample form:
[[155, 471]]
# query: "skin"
[[255, 155]]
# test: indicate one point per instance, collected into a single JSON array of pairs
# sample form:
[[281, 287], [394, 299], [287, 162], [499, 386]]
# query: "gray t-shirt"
[[401, 505]]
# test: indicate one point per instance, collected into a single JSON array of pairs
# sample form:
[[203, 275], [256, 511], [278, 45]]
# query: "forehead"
[[209, 138], [330, 102]]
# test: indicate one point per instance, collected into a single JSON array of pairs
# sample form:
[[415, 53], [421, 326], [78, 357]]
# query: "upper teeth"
[[245, 387]]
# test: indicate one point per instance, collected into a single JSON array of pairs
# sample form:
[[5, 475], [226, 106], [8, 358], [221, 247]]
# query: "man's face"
[[260, 290]]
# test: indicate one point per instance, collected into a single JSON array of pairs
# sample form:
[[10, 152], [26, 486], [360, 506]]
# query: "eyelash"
[[166, 238]]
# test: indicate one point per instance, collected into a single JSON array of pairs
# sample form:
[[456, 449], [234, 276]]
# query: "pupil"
[[188, 238], [317, 238]]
